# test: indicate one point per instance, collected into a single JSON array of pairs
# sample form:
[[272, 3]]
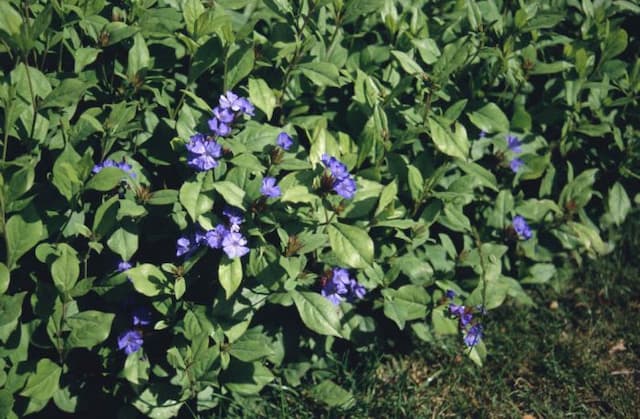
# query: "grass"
[[577, 353]]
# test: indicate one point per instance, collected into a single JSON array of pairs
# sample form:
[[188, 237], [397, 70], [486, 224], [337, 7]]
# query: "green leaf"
[[352, 245], [317, 313], [189, 195], [10, 19], [41, 385], [22, 232], [246, 379], [332, 395], [106, 179], [191, 10], [231, 193], [230, 275], [238, 65], [479, 173], [124, 241], [408, 302], [83, 57], [88, 328], [321, 73], [68, 93], [163, 197], [139, 59], [618, 203], [148, 280], [453, 144], [65, 270], [262, 96], [251, 346], [158, 401], [10, 311], [4, 278], [416, 182], [407, 63], [490, 119]]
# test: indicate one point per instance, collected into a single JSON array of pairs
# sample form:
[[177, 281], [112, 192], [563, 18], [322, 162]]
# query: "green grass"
[[577, 353]]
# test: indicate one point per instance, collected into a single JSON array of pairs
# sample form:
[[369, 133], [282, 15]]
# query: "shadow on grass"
[[577, 353]]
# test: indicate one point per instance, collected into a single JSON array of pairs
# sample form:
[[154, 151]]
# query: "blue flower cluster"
[[340, 286], [472, 333], [269, 188], [284, 141], [124, 166], [223, 236], [204, 151], [515, 146], [131, 341], [521, 227], [229, 106], [341, 181]]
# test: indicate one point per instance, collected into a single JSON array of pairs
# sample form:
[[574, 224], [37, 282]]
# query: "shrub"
[[198, 197]]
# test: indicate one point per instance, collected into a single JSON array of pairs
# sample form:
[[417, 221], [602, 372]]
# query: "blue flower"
[[341, 286], [223, 115], [336, 167], [123, 266], [473, 336], [345, 187], [356, 290], [521, 227], [203, 152], [341, 181], [234, 245], [184, 246], [141, 316], [246, 107], [219, 128], [516, 164], [230, 101], [234, 216], [514, 144], [284, 141], [215, 237], [456, 310], [482, 134], [450, 294], [269, 188], [124, 166], [131, 341]]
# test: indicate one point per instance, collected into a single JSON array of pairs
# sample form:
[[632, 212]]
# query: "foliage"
[[166, 247]]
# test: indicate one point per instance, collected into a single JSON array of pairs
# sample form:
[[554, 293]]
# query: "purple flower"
[[340, 286], [203, 153], [234, 245], [473, 335], [124, 166], [223, 115], [516, 164], [521, 227], [185, 246], [219, 128], [123, 266], [345, 187], [483, 134], [356, 291], [234, 216], [336, 167], [215, 237], [269, 188], [343, 183], [284, 141], [230, 101], [450, 294], [514, 144], [465, 318], [141, 316], [131, 341], [456, 310], [246, 107]]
